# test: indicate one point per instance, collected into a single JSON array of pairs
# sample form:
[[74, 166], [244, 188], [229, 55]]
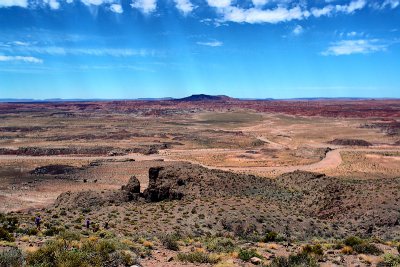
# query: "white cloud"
[[329, 10], [117, 8], [93, 2], [387, 3], [298, 30], [260, 2], [62, 51], [20, 58], [255, 15], [361, 46], [219, 3], [185, 6], [146, 6], [20, 43], [351, 7], [211, 43], [53, 4], [10, 3], [325, 11]]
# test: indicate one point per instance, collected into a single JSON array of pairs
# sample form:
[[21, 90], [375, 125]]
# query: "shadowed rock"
[[161, 187], [132, 188], [350, 142]]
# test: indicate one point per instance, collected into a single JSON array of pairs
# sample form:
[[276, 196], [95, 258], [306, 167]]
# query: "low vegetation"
[[198, 257]]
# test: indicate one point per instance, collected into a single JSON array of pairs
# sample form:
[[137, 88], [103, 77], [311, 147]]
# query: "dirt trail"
[[331, 160]]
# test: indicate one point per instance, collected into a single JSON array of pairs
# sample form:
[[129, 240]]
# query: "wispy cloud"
[[185, 6], [219, 3], [63, 51], [10, 3], [298, 29], [146, 6], [20, 59], [95, 2], [361, 46], [387, 3], [256, 15], [53, 4], [254, 11], [117, 8], [211, 43]]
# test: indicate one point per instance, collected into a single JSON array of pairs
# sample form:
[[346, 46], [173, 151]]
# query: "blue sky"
[[158, 48]]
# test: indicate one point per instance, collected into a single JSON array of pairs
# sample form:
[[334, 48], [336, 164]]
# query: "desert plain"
[[204, 180]]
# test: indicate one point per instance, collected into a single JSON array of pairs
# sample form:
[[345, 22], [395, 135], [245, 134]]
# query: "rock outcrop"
[[350, 142], [161, 187], [132, 188]]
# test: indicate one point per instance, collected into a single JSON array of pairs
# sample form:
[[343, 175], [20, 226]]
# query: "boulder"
[[132, 188], [255, 260], [161, 188]]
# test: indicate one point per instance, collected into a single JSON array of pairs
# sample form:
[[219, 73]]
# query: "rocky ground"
[[264, 218]]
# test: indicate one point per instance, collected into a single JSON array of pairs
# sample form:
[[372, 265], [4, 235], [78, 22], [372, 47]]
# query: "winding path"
[[331, 160]]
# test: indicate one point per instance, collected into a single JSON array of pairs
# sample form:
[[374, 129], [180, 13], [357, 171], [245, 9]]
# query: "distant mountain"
[[203, 97]]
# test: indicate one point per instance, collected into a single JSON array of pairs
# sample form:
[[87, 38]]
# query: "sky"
[[126, 49]]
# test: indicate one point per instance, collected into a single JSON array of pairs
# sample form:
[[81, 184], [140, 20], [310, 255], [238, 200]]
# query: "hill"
[[203, 97]]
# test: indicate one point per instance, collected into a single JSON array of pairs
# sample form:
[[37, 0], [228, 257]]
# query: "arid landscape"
[[202, 181]]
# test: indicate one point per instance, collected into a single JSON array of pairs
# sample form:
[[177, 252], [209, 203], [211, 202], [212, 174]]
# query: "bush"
[[198, 257], [316, 250], [32, 231], [11, 258], [352, 241], [271, 237], [367, 248], [51, 231], [170, 241], [221, 244], [6, 236], [347, 250], [8, 223], [298, 260], [93, 252], [247, 254], [362, 246], [390, 260]]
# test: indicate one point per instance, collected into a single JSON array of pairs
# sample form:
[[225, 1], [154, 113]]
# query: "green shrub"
[[198, 257], [390, 260], [316, 250], [362, 246], [352, 241], [298, 260], [247, 254], [367, 248], [221, 244], [8, 223], [170, 241], [11, 258], [70, 236], [47, 255], [93, 252], [31, 231], [51, 231], [6, 236], [271, 237]]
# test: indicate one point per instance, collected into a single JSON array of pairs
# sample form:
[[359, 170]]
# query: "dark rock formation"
[[53, 170], [161, 187], [132, 188], [350, 142]]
